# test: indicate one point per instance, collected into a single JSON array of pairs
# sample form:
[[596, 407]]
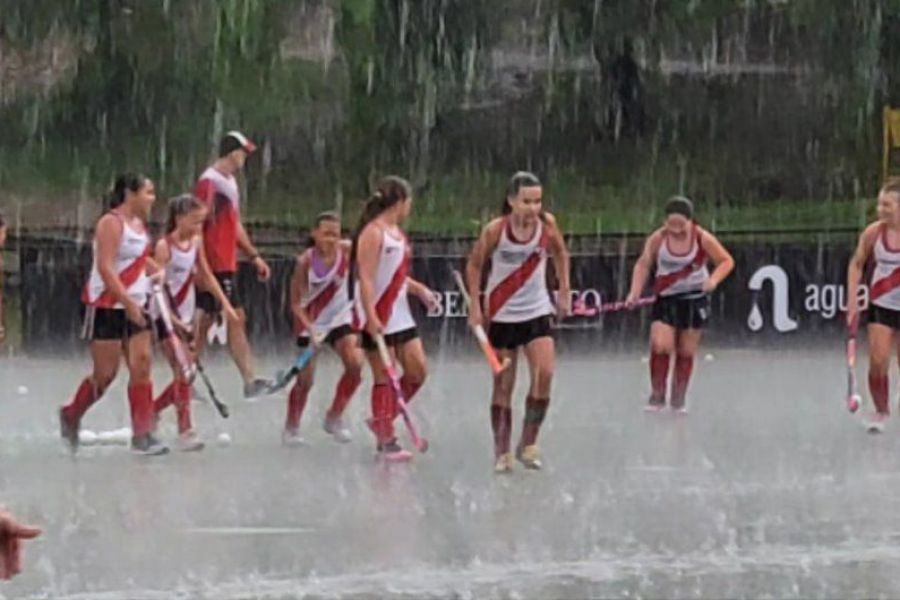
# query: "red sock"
[[501, 424], [84, 398], [165, 399], [383, 409], [182, 397], [684, 365], [659, 372], [346, 387], [535, 411], [296, 404], [140, 398], [878, 388], [409, 387]]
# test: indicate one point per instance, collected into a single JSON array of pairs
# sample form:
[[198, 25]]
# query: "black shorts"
[[509, 336], [331, 339], [208, 303], [108, 324], [682, 312], [884, 316], [392, 340]]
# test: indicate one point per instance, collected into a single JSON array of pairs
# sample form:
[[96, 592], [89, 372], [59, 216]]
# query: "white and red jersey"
[[884, 290], [517, 283], [130, 264], [180, 273], [327, 299], [391, 302], [221, 195], [678, 274]]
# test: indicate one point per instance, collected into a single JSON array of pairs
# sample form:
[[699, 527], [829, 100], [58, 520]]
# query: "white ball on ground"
[[224, 439], [22, 390], [123, 435], [709, 357], [115, 437], [86, 437], [645, 359]]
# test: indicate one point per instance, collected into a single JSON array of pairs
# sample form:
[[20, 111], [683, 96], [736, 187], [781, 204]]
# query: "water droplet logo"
[[755, 318], [780, 299]]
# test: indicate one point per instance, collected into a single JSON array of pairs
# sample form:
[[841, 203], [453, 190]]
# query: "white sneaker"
[[337, 429], [189, 441], [504, 463], [530, 457], [877, 422], [292, 438]]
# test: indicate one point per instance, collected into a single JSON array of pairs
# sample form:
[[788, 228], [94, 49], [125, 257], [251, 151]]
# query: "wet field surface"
[[768, 488]]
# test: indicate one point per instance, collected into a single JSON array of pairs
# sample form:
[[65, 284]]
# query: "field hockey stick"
[[854, 400], [283, 377], [622, 304], [420, 443], [496, 365], [618, 305], [221, 407], [185, 364], [572, 321]]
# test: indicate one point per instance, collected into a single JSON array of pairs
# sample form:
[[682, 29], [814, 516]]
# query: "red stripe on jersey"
[[317, 304], [886, 284], [182, 293], [513, 282], [664, 282], [385, 305], [127, 276]]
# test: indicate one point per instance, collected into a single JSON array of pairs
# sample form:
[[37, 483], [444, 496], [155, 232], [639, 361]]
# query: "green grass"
[[456, 206], [460, 203]]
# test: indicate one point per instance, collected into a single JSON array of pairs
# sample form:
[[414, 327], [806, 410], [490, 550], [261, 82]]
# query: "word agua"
[[830, 299]]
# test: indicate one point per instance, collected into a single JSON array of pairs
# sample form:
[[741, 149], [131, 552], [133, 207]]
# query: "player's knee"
[[662, 346], [139, 366], [879, 366], [102, 379], [416, 371]]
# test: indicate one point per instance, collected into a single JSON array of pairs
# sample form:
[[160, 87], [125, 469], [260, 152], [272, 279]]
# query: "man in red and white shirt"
[[223, 235]]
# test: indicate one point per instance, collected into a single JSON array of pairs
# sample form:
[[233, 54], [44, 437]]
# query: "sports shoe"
[[68, 431], [189, 441], [877, 422], [148, 445], [678, 405], [256, 388], [292, 438], [655, 404], [393, 452], [530, 457], [504, 463], [336, 427]]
